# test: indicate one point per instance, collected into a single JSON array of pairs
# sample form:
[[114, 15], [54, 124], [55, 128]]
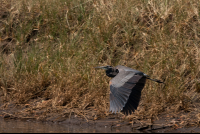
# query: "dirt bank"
[[165, 122]]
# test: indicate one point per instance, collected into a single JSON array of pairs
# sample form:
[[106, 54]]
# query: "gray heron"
[[125, 87]]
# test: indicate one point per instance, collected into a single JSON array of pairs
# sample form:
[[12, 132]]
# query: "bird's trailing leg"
[[156, 80]]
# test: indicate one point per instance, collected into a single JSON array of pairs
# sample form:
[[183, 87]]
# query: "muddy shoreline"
[[165, 122]]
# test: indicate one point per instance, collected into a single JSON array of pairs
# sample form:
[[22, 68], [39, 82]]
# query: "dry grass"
[[54, 46]]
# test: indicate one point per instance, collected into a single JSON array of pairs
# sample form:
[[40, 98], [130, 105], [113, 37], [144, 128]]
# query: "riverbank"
[[90, 118], [49, 50]]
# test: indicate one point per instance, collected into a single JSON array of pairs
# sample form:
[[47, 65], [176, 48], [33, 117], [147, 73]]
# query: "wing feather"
[[135, 95], [127, 109], [120, 101], [111, 103], [116, 106]]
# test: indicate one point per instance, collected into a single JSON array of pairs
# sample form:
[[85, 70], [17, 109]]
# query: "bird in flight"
[[125, 87]]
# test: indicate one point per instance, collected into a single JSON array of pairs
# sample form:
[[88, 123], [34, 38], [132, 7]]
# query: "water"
[[18, 126], [15, 126]]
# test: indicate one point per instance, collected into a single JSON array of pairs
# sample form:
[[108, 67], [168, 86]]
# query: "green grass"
[[58, 44]]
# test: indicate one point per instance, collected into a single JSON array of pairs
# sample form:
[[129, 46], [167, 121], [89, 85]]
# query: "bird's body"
[[125, 87]]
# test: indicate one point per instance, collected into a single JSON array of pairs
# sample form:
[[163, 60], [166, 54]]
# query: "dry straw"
[[49, 49]]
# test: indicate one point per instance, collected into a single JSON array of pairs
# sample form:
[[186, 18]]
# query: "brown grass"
[[49, 49]]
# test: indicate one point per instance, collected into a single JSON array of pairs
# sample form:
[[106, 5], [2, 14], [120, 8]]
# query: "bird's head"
[[110, 71]]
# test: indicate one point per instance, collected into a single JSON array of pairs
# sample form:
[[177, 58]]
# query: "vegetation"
[[49, 49]]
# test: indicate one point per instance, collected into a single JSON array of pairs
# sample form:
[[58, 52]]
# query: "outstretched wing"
[[134, 98], [125, 90]]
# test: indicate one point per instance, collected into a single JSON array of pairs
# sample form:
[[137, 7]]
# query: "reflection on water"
[[17, 126], [13, 126]]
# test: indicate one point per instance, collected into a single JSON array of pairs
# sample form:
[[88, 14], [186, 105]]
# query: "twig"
[[79, 113], [67, 19]]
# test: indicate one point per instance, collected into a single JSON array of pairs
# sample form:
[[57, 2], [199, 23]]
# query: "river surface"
[[18, 126]]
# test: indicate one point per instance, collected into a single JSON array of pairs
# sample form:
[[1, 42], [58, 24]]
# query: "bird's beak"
[[102, 67]]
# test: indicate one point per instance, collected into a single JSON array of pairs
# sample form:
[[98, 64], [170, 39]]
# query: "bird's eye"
[[117, 70]]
